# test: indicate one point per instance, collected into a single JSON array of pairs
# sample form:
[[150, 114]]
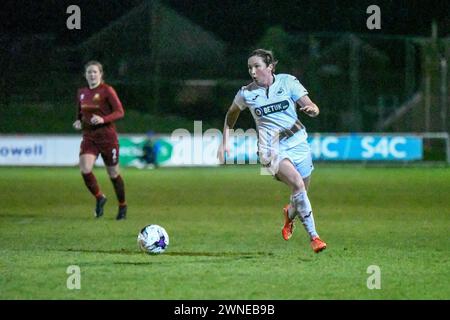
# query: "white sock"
[[302, 205], [292, 212]]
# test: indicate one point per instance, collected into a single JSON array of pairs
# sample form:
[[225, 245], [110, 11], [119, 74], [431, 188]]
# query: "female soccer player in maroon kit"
[[98, 106]]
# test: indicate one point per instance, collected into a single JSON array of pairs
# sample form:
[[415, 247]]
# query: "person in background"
[[98, 107], [149, 152]]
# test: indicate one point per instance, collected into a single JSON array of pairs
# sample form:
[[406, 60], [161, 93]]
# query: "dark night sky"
[[236, 22]]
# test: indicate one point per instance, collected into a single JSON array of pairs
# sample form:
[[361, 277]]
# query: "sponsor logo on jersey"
[[256, 97], [82, 96], [96, 97], [272, 108], [90, 107]]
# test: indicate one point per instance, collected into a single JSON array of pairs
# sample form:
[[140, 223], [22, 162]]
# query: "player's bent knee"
[[113, 172], [113, 175], [85, 169]]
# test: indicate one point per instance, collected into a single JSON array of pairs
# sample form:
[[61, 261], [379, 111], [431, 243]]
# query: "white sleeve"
[[297, 90], [239, 100]]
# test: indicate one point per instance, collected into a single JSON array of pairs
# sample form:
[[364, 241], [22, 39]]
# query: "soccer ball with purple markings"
[[153, 239]]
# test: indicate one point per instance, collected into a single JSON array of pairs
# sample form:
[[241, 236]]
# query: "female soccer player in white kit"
[[282, 145]]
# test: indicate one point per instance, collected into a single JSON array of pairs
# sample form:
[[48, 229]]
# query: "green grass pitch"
[[225, 235]]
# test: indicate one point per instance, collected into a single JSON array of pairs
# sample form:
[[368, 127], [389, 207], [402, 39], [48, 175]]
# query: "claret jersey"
[[102, 101]]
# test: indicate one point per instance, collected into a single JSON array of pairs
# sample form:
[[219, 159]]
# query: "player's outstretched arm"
[[308, 107], [230, 120]]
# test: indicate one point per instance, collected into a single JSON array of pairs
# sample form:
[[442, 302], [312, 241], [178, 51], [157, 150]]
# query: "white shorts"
[[300, 156], [297, 151]]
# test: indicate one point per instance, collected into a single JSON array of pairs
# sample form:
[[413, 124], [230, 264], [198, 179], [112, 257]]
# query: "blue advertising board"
[[366, 147], [343, 147]]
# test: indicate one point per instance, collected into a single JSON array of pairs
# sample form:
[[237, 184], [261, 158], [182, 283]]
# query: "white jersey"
[[273, 109]]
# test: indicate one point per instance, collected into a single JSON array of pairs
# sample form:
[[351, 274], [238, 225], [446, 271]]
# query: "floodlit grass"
[[225, 235]]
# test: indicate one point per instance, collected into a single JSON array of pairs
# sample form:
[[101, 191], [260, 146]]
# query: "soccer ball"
[[153, 239]]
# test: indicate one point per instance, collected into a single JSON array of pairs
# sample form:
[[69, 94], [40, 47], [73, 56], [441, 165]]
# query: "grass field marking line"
[[374, 280], [74, 278]]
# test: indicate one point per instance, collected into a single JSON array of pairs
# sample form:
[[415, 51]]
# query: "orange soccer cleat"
[[317, 244], [288, 228]]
